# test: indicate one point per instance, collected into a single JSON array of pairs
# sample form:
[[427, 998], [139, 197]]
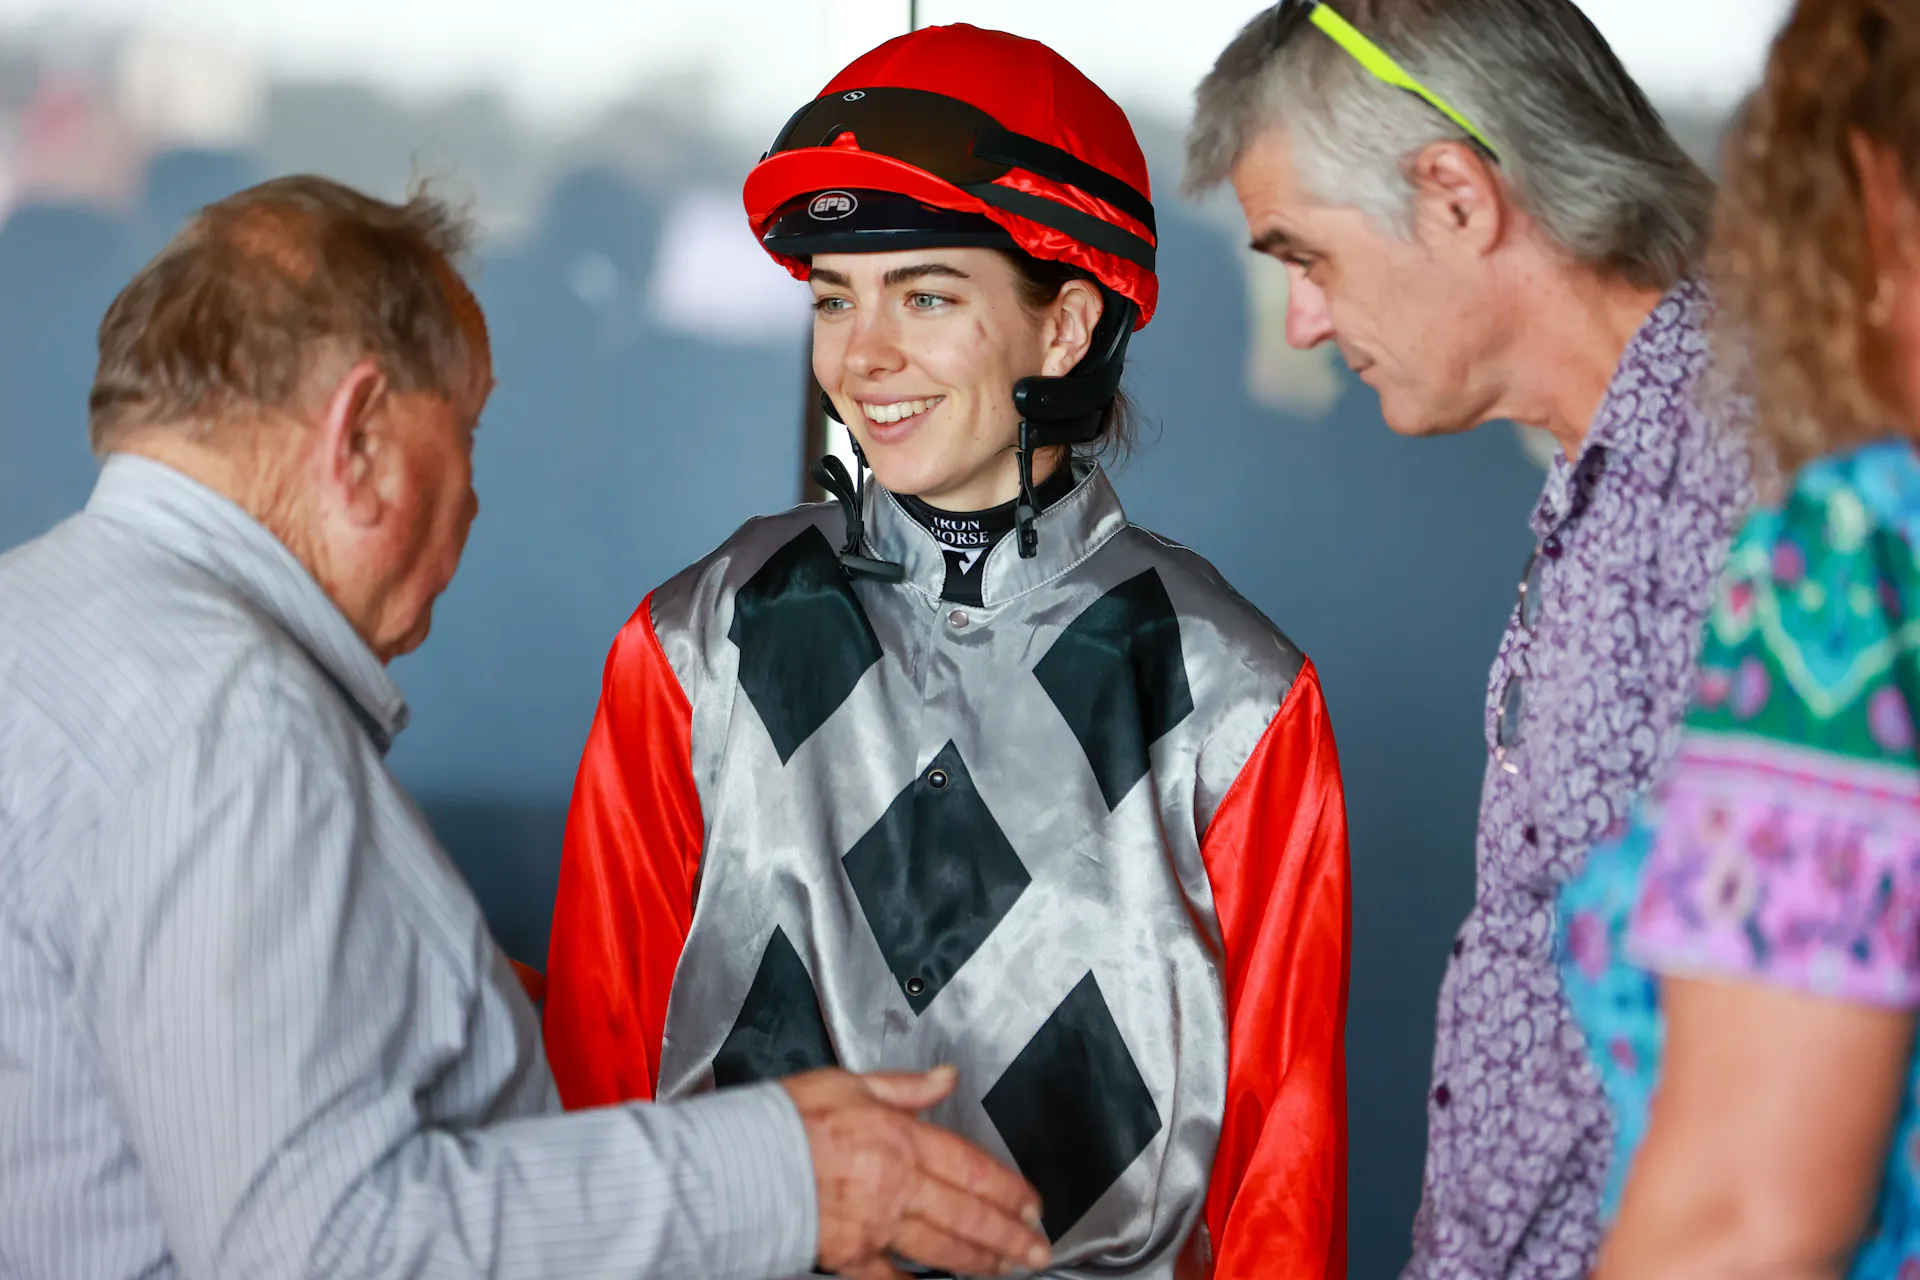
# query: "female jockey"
[[965, 768]]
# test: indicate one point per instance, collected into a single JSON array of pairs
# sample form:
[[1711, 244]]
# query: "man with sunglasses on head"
[[1477, 204]]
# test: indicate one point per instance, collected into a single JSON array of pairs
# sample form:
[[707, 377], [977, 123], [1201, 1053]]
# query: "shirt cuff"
[[765, 1211]]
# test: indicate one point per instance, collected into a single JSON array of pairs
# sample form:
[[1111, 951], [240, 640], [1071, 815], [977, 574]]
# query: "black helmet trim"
[[863, 221], [1084, 227], [1035, 156]]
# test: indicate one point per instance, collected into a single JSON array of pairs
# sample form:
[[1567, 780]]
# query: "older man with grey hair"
[[251, 1021], [1480, 208]]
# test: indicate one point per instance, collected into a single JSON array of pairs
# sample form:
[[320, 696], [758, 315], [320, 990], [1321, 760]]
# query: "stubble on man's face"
[[436, 436], [434, 519], [445, 504]]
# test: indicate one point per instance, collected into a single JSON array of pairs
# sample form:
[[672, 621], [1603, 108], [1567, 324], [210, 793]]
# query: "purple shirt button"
[[1442, 1096]]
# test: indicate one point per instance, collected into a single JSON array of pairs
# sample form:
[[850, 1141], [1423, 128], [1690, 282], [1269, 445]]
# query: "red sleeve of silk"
[[633, 843], [1276, 854]]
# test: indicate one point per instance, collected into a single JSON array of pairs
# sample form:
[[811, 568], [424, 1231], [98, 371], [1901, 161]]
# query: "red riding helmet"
[[954, 135]]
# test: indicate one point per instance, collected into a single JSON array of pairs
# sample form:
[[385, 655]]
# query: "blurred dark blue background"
[[616, 451]]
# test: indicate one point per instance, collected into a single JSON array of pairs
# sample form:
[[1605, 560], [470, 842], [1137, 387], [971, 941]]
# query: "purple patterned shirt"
[[1631, 538]]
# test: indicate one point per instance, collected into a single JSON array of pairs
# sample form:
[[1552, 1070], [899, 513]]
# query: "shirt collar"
[[1633, 429], [186, 519], [1070, 530]]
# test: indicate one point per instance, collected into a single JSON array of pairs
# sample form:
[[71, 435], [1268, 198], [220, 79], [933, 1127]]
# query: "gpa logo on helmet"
[[831, 206]]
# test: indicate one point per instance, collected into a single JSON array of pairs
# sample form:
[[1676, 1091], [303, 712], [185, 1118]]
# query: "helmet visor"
[[929, 131], [962, 145]]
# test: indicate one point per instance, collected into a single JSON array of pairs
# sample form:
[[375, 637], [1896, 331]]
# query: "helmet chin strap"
[[1054, 413], [831, 474]]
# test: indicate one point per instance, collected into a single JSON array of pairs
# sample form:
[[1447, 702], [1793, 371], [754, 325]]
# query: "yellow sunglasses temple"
[[1382, 67]]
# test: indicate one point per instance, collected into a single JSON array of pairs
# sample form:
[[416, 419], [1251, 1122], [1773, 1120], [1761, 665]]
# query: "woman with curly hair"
[[1751, 944]]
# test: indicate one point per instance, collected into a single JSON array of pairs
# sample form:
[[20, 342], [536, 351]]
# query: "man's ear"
[[1075, 314], [1458, 196], [353, 447]]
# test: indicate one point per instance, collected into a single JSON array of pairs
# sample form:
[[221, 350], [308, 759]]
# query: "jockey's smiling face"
[[920, 350]]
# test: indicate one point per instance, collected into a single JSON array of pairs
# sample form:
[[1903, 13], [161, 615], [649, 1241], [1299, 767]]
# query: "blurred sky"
[[562, 59]]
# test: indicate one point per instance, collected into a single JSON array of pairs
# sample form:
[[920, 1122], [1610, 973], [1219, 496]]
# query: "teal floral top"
[[1783, 844]]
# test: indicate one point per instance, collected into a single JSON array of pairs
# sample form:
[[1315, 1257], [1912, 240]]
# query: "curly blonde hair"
[[1795, 274]]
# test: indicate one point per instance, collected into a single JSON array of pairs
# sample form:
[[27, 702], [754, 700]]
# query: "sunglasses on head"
[[1290, 15]]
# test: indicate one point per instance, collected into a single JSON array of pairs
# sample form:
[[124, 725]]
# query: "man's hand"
[[891, 1183]]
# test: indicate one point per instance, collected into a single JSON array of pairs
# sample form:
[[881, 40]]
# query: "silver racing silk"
[[971, 835]]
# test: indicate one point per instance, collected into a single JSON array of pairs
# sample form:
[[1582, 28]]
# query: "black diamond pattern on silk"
[[1119, 677], [804, 640], [779, 1031], [1073, 1109], [934, 876]]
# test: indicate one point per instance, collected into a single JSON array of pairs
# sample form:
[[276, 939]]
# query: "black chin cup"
[[1067, 410]]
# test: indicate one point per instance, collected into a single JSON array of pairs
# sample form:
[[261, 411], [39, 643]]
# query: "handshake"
[[891, 1184]]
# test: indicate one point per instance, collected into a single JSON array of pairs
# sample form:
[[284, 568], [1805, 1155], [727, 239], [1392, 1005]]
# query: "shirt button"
[[958, 619], [937, 779], [1459, 945], [1531, 835], [1442, 1096], [1552, 546], [916, 986]]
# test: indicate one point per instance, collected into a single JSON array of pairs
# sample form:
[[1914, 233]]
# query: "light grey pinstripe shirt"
[[251, 1020]]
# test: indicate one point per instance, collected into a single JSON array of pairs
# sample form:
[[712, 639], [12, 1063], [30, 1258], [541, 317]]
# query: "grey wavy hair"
[[1583, 151]]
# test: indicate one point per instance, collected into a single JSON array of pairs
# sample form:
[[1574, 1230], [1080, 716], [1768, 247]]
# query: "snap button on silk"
[[957, 619], [1442, 1096], [937, 779], [916, 986]]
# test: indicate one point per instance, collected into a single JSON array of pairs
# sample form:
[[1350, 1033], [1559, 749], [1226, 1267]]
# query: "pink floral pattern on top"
[[1631, 536], [1804, 869]]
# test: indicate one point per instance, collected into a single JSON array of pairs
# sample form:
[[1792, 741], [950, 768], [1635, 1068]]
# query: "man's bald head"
[[265, 291]]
